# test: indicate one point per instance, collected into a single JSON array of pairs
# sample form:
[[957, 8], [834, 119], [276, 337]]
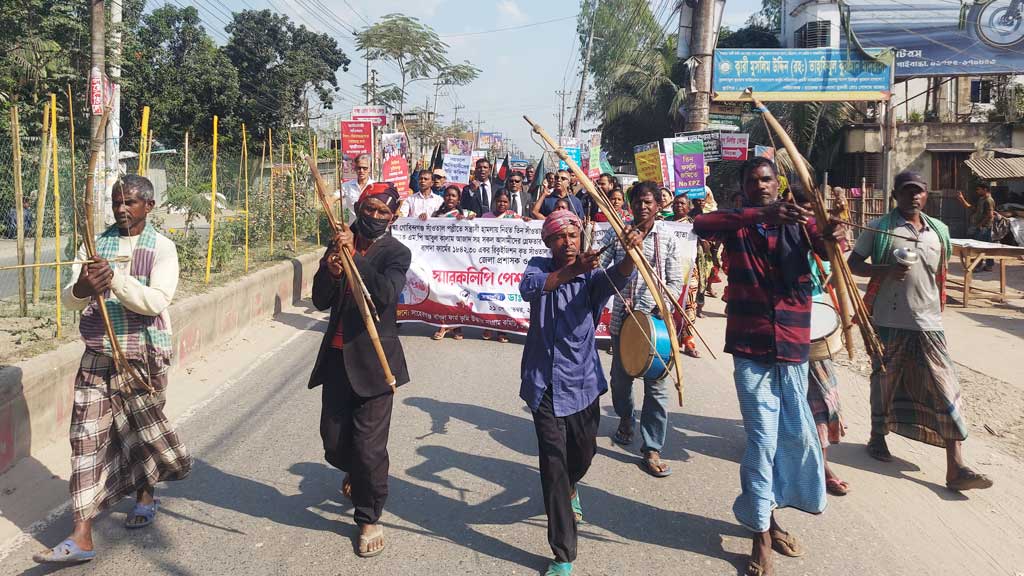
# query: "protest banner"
[[765, 152], [396, 171], [712, 140], [519, 165], [734, 146], [574, 153], [459, 147], [467, 272], [476, 155], [395, 144], [594, 168], [356, 139], [489, 140], [688, 162], [648, 162], [668, 167], [667, 178], [457, 167]]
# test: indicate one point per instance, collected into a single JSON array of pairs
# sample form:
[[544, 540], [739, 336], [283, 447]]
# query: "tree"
[[753, 36], [277, 63], [770, 15], [174, 67], [415, 49]]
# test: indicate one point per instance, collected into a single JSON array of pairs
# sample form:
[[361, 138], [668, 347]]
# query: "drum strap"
[[658, 269]]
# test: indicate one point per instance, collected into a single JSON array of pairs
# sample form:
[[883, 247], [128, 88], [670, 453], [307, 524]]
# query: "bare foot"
[[760, 563], [371, 540]]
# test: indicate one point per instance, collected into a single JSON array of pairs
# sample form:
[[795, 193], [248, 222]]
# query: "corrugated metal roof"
[[1007, 151], [997, 168]]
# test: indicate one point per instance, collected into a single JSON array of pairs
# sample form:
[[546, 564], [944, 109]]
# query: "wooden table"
[[973, 251]]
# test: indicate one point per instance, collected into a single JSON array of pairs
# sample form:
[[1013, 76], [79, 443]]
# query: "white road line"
[[53, 515]]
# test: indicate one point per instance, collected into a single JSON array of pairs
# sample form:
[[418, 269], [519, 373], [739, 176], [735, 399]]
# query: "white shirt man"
[[351, 190], [424, 202]]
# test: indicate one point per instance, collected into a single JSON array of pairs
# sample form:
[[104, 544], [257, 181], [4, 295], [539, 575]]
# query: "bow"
[[644, 267], [847, 292], [121, 363], [355, 281]]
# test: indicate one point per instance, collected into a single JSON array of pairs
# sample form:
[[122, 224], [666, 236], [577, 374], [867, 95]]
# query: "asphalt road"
[[465, 491], [9, 257]]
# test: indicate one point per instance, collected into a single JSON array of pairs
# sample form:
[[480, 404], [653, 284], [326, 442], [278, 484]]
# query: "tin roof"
[[997, 168]]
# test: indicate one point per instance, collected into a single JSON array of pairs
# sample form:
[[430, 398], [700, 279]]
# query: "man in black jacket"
[[356, 400], [478, 195]]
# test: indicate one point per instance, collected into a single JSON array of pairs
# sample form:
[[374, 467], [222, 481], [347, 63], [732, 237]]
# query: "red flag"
[[505, 171]]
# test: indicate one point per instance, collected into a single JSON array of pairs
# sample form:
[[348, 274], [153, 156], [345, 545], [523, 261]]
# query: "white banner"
[[467, 272]]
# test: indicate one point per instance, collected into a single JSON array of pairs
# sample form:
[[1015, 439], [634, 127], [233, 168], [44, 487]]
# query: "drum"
[[641, 359], [826, 336]]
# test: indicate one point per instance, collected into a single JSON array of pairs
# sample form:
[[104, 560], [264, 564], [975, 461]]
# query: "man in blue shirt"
[[562, 378]]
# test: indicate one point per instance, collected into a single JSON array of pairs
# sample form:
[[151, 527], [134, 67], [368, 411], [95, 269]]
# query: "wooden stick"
[[74, 170], [643, 266], [847, 293], [352, 276], [48, 264], [19, 206], [875, 230], [44, 183]]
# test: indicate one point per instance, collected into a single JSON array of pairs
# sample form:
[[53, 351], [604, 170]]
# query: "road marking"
[[53, 515]]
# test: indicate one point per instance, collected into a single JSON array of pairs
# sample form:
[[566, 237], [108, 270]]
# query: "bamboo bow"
[[355, 281], [121, 363], [642, 265], [847, 292]]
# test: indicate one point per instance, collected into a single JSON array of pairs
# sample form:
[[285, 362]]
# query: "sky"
[[521, 69]]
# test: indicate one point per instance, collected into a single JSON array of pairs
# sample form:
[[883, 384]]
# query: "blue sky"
[[547, 50]]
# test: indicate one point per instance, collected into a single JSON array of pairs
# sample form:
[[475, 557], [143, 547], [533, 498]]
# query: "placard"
[[457, 167], [712, 143], [459, 147], [734, 146], [396, 171], [394, 144], [648, 162], [375, 115], [688, 162]]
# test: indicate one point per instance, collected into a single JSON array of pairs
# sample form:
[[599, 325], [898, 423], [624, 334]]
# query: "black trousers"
[[567, 446], [355, 434]]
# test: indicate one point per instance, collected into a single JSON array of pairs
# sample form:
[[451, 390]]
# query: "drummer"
[[767, 332], [662, 250]]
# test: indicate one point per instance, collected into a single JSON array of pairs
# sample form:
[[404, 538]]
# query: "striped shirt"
[[662, 251], [769, 309]]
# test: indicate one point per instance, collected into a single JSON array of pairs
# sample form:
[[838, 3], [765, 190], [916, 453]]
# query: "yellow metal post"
[[56, 207], [291, 171], [270, 145], [143, 139], [245, 174], [213, 203]]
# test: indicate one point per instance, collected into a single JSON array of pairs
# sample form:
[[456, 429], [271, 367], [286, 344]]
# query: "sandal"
[[836, 487], [691, 352], [968, 479], [457, 334], [623, 436], [878, 450], [487, 335], [654, 465], [559, 569], [577, 508], [147, 512], [346, 487], [67, 552], [754, 569], [439, 334], [502, 338], [786, 544], [364, 545]]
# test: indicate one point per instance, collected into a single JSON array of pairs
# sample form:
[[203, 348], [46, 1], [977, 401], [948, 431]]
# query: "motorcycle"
[[1000, 23]]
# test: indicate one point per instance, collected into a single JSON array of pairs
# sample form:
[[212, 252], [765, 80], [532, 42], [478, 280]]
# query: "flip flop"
[[67, 552], [457, 334], [145, 511], [559, 569], [502, 338], [836, 487], [879, 451], [653, 466], [786, 544], [968, 479], [439, 334], [487, 335], [754, 569], [577, 508], [346, 487], [623, 437], [364, 541]]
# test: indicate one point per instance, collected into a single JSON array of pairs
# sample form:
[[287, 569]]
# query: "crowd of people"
[[771, 250]]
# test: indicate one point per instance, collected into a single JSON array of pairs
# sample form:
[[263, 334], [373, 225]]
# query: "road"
[[9, 257], [465, 492]]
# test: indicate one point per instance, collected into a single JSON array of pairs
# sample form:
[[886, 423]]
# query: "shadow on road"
[[855, 455]]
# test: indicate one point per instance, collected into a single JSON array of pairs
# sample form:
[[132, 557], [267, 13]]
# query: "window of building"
[[816, 34]]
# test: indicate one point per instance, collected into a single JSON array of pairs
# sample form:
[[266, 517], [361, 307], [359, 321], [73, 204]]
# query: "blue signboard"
[[936, 38], [574, 153], [800, 75]]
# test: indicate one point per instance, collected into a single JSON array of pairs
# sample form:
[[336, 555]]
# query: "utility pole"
[[372, 98], [97, 36], [702, 45], [455, 119], [112, 144], [479, 123], [583, 74], [561, 114], [366, 56]]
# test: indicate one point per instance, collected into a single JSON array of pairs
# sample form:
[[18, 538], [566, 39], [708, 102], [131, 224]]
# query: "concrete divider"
[[36, 395]]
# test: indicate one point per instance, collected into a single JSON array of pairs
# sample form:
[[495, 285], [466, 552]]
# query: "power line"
[[507, 28]]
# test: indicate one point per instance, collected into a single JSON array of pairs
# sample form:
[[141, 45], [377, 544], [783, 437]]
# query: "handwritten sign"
[[648, 162], [457, 167], [688, 162]]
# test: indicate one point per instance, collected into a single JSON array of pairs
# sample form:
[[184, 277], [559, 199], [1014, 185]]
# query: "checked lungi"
[[120, 443], [918, 394], [823, 398]]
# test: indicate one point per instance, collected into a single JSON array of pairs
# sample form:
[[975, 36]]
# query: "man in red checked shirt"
[[356, 401], [768, 333]]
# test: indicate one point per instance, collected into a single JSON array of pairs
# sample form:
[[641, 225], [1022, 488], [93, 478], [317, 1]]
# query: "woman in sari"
[[450, 209]]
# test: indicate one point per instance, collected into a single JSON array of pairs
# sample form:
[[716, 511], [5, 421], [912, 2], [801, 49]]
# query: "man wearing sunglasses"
[[516, 196], [351, 190], [440, 181], [549, 199]]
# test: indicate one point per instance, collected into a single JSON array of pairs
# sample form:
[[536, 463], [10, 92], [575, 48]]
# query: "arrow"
[[733, 154]]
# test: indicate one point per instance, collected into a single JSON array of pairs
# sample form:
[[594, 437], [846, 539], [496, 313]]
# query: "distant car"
[[626, 180]]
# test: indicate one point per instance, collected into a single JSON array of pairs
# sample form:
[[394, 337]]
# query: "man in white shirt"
[[121, 442], [424, 203], [351, 190]]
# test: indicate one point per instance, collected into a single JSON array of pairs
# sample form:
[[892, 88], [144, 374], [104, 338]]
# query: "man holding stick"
[[914, 389], [562, 379], [662, 251], [768, 333], [357, 399], [121, 442]]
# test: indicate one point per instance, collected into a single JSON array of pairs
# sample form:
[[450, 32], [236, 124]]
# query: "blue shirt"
[[548, 206], [560, 352]]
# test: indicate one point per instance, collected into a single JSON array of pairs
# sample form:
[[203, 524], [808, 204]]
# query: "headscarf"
[[558, 221], [383, 191]]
